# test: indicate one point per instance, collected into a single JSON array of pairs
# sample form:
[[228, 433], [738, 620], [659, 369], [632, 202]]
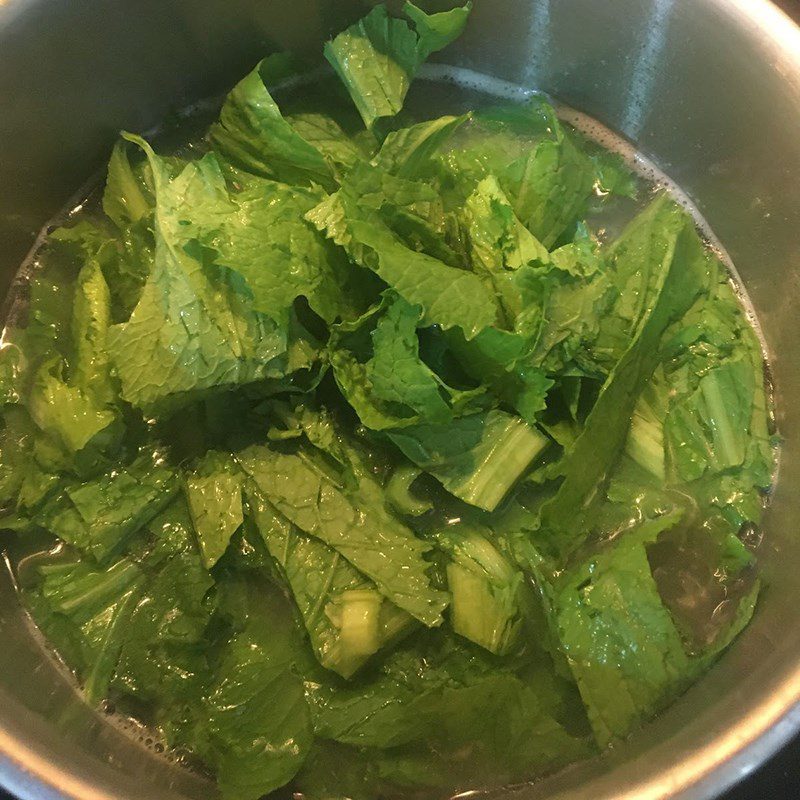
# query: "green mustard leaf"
[[498, 240], [619, 639], [408, 151], [486, 607], [334, 770], [354, 524], [264, 238], [97, 516], [478, 458], [396, 372], [433, 700], [378, 57], [213, 492], [71, 416], [161, 660], [258, 723], [682, 271], [327, 136], [448, 296], [91, 317], [377, 365], [188, 332], [253, 135], [436, 31], [129, 193], [86, 610], [325, 586], [709, 429]]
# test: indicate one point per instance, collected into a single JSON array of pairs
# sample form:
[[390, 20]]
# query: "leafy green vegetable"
[[494, 229], [161, 659], [637, 261], [365, 534], [413, 211], [97, 516], [329, 593], [399, 495], [85, 610], [550, 188], [334, 770], [709, 429], [682, 273], [436, 31], [477, 458], [449, 297], [187, 332], [377, 365], [64, 411], [645, 443], [91, 317], [129, 195], [550, 302], [359, 463], [619, 639], [396, 372], [378, 57], [538, 164], [253, 135], [429, 704], [214, 497], [486, 606], [407, 152], [613, 176], [259, 726], [23, 480], [324, 133], [261, 236]]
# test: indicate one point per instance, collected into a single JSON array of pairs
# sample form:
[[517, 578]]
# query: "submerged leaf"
[[214, 496], [364, 533], [259, 726], [323, 584]]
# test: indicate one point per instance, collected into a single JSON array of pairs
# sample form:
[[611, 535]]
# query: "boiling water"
[[440, 89]]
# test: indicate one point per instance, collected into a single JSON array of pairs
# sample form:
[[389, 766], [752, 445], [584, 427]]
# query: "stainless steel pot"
[[710, 89]]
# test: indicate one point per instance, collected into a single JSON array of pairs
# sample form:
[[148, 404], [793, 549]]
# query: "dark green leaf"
[[214, 497], [162, 660], [477, 458], [682, 273], [364, 533], [259, 726], [346, 617], [449, 297], [98, 516]]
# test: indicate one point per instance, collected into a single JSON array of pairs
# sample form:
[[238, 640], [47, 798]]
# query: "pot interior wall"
[[709, 89]]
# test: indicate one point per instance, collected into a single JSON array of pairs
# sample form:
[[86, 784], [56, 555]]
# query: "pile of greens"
[[355, 460]]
